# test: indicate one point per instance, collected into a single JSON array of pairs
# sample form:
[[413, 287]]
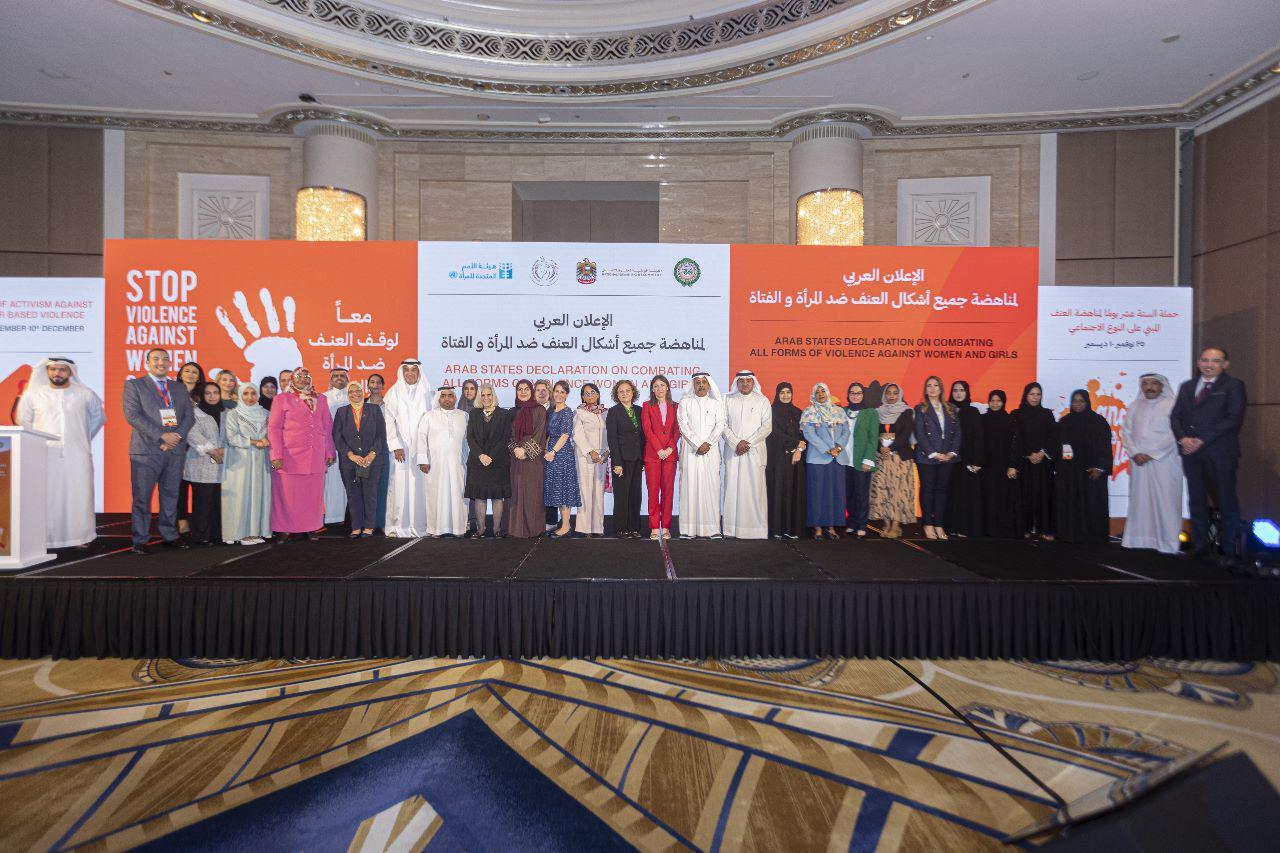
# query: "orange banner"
[[254, 308], [875, 315]]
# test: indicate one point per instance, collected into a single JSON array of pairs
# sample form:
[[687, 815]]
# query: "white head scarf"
[[435, 398], [255, 415], [828, 413], [402, 390], [713, 392], [41, 369], [1147, 421], [755, 391]]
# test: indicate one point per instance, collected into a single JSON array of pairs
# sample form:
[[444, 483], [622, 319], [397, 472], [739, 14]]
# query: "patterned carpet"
[[592, 755]]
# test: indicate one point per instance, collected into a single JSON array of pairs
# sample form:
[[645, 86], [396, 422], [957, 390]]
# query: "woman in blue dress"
[[825, 427], [560, 477]]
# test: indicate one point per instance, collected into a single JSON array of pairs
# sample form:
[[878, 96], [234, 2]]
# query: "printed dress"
[[560, 480]]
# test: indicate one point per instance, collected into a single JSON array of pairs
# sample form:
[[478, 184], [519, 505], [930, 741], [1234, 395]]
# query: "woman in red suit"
[[661, 437]]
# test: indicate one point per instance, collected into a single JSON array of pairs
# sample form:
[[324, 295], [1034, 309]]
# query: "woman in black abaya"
[[1035, 426], [1001, 497], [1083, 454], [784, 467], [964, 492]]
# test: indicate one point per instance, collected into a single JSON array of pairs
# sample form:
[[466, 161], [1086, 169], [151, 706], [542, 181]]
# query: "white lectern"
[[24, 479]]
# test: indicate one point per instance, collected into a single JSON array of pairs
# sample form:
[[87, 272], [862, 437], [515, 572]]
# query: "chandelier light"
[[831, 217], [329, 213]]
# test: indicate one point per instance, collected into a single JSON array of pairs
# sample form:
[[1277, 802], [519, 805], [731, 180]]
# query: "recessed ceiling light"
[[928, 38], [904, 18], [202, 16], [1275, 69], [388, 90], [543, 118], [964, 76], [673, 118], [55, 74], [167, 73], [751, 90], [1087, 75], [1171, 38], [482, 116]]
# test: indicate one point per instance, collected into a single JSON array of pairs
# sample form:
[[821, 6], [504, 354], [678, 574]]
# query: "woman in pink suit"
[[301, 436], [661, 437]]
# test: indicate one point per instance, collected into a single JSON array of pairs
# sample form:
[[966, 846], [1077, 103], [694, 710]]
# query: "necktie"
[[162, 386], [1204, 392]]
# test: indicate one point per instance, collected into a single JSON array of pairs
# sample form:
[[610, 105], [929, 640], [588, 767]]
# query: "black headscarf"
[[968, 395], [1088, 433], [849, 398], [972, 450], [999, 436], [263, 400], [465, 404], [786, 422], [1035, 423], [213, 410]]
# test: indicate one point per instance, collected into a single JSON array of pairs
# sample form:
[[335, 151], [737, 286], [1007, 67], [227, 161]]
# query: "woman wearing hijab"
[[626, 454], [964, 492], [373, 387], [825, 428], [560, 475], [525, 516], [1083, 453], [859, 459], [1001, 497], [191, 375], [203, 467], [893, 488], [470, 390], [359, 439], [592, 448], [1035, 425], [937, 433], [301, 440], [784, 469], [268, 388], [1154, 516], [246, 472], [661, 440], [488, 461]]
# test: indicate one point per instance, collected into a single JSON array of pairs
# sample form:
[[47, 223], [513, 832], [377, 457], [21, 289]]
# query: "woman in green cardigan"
[[859, 459]]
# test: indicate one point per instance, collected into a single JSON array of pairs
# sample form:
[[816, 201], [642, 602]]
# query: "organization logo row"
[[546, 271]]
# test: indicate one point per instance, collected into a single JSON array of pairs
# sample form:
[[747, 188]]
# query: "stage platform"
[[339, 598]]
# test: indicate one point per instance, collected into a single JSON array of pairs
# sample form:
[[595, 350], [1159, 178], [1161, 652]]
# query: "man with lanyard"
[[160, 412]]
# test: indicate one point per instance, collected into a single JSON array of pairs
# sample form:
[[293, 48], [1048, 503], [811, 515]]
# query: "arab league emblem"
[[687, 272]]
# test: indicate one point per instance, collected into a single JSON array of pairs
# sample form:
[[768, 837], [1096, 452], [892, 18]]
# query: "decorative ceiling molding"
[[880, 126], [912, 16], [616, 47]]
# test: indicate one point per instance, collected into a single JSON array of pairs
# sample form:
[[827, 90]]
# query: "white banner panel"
[[1102, 339], [582, 312], [40, 317]]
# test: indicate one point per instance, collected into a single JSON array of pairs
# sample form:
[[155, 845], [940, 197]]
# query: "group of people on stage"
[[279, 458]]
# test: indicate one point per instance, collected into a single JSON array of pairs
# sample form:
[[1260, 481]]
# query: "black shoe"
[[138, 551], [177, 543]]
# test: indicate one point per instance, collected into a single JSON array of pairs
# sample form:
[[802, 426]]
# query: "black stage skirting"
[[386, 598]]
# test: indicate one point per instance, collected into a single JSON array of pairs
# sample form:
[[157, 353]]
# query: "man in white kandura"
[[63, 406], [442, 456], [403, 406], [1155, 475], [335, 494], [748, 421], [701, 418]]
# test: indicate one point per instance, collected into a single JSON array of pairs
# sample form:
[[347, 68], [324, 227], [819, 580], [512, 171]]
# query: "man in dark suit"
[[1206, 421], [159, 411]]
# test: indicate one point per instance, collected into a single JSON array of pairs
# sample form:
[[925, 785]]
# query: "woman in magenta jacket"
[[301, 436], [661, 438]]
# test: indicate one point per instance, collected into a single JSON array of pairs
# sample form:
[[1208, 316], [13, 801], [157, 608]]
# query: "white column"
[[1048, 241], [341, 155], [824, 157], [112, 184]]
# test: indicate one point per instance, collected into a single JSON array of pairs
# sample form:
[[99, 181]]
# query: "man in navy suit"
[[160, 412], [1206, 421]]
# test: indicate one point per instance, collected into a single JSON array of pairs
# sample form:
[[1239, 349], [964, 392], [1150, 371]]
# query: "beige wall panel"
[[1086, 195], [1144, 181], [1232, 182], [76, 266], [24, 188], [624, 222], [154, 160], [704, 212], [555, 221], [1231, 310], [1011, 161], [75, 191], [1131, 271], [464, 210], [1259, 472]]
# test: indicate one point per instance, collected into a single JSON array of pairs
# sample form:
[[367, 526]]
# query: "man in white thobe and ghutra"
[[62, 405], [701, 417], [748, 422], [441, 455], [335, 495], [403, 406], [1155, 471]]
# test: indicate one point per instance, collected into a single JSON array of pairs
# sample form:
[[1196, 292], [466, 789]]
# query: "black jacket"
[[1216, 420], [626, 441]]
